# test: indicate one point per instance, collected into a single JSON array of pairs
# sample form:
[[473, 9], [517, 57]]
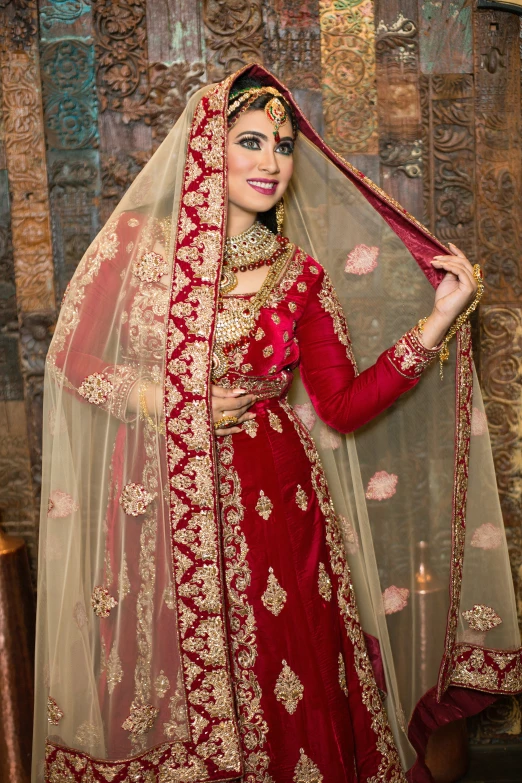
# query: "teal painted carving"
[[74, 188], [120, 36], [64, 11], [70, 107]]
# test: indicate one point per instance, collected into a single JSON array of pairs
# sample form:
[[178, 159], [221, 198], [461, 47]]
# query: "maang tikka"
[[274, 109]]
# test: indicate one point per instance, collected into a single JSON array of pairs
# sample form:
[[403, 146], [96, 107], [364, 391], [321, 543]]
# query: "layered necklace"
[[237, 317], [252, 249]]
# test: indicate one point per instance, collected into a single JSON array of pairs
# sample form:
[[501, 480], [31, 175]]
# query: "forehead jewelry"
[[274, 109]]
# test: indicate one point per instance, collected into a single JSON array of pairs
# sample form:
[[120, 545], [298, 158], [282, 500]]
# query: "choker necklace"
[[252, 249]]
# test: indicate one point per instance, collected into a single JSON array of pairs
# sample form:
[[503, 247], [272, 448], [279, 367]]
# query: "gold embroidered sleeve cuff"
[[409, 356], [123, 380]]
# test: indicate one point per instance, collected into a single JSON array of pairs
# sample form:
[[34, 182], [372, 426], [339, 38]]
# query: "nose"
[[269, 163]]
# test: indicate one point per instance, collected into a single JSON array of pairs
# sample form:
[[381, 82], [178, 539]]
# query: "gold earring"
[[280, 216]]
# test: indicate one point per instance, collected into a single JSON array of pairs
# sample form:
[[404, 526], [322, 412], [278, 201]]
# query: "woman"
[[197, 615]]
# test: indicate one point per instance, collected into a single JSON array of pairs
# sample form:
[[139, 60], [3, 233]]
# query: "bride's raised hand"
[[453, 295], [231, 402]]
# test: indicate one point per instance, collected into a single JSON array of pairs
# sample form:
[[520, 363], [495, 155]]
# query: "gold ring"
[[226, 421]]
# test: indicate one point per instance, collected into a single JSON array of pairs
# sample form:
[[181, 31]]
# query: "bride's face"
[[259, 168]]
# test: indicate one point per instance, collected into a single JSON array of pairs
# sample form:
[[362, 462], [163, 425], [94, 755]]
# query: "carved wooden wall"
[[422, 95]]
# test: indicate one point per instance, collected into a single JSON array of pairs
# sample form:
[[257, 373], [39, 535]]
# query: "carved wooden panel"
[[348, 73], [497, 86], [25, 152], [400, 128], [233, 35], [447, 36], [17, 509], [171, 87], [449, 182]]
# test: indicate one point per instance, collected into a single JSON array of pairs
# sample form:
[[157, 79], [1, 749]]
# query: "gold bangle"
[[226, 421], [144, 412], [461, 320]]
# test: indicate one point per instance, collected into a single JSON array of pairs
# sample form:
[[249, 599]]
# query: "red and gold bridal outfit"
[[197, 621], [309, 688]]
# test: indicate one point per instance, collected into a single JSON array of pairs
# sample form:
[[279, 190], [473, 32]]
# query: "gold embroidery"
[[134, 499], [150, 267], [342, 675], [250, 427], [102, 602], [54, 713], [273, 369], [301, 287], [161, 684], [301, 498], [114, 669], [274, 597], [390, 766], [286, 336], [292, 306], [141, 718], [331, 304], [253, 727], [481, 618], [324, 583], [268, 351], [275, 421], [288, 689], [259, 334], [95, 388], [124, 585], [264, 505], [308, 772], [275, 318]]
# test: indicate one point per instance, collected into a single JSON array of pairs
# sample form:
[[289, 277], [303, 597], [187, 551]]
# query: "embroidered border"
[[480, 668], [464, 394], [390, 768], [331, 304], [253, 726]]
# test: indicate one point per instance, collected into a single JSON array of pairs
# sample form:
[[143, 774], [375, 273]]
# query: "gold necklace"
[[249, 250], [237, 317]]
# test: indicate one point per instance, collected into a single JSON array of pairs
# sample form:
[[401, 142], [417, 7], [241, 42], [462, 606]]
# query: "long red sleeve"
[[341, 398], [90, 306]]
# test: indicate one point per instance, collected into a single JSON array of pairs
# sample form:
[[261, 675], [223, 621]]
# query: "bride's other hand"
[[455, 292], [231, 402]]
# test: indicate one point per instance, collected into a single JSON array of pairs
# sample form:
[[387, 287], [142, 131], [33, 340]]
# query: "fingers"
[[220, 391], [460, 268], [456, 251]]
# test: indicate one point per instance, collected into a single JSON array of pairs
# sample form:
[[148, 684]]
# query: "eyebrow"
[[262, 136]]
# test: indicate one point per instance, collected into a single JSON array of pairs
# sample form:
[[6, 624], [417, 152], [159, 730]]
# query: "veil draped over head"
[[133, 672]]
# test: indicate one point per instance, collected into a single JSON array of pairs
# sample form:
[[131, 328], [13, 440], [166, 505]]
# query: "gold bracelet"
[[144, 412], [443, 351]]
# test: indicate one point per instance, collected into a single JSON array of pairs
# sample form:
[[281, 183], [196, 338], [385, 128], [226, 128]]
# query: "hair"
[[267, 218]]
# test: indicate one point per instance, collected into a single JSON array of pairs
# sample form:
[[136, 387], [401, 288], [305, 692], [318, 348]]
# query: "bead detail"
[[289, 689], [481, 618], [95, 388], [102, 601], [134, 499], [264, 505], [274, 597]]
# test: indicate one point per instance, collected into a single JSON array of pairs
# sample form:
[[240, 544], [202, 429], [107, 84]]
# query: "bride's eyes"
[[252, 143]]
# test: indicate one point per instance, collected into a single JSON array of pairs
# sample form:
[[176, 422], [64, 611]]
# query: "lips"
[[266, 186]]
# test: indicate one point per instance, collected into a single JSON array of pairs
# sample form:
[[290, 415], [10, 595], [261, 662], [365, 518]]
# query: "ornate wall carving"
[[348, 73], [25, 151], [400, 134], [233, 35], [448, 134], [497, 86]]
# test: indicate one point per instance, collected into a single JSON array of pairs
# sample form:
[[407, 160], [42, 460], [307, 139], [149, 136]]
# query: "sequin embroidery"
[[274, 597], [288, 689]]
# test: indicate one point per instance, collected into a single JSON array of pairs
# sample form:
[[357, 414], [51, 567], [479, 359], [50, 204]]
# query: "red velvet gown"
[[307, 702]]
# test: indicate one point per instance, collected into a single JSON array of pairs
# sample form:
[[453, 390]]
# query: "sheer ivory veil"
[[414, 490]]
